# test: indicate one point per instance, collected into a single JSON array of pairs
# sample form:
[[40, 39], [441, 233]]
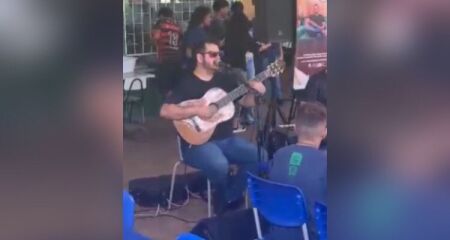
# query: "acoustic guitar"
[[197, 131]]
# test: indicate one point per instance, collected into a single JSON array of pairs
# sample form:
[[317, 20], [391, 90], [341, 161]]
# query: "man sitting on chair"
[[223, 148], [303, 164]]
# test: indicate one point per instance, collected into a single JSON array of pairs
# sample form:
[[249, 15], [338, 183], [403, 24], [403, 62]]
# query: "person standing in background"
[[268, 56], [195, 34], [217, 29], [238, 42], [237, 39], [166, 34]]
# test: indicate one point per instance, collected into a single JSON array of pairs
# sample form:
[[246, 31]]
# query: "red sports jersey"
[[168, 40]]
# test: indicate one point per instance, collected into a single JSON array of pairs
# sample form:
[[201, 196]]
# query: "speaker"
[[274, 20]]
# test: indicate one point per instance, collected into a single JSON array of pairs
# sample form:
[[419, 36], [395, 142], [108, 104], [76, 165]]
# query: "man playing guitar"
[[223, 148]]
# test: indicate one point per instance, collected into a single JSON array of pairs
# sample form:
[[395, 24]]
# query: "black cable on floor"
[[169, 215]]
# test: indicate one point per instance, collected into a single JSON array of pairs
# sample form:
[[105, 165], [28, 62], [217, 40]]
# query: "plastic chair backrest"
[[128, 212], [280, 204], [189, 236], [320, 212]]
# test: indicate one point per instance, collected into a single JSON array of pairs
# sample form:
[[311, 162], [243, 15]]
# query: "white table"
[[141, 74]]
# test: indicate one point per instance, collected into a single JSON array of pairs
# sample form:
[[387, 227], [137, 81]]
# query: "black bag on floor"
[[238, 225], [279, 138], [154, 191]]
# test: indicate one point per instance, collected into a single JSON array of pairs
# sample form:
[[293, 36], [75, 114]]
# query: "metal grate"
[[140, 15]]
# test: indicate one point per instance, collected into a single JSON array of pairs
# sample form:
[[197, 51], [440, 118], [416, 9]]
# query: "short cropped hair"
[[309, 117]]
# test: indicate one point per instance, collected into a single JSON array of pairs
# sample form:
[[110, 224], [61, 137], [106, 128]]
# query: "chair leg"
[[292, 109], [130, 113], [172, 183], [305, 232], [258, 225], [209, 197], [126, 112], [142, 114], [246, 199]]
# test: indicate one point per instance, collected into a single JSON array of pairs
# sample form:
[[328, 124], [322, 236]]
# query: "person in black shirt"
[[237, 38], [217, 28], [238, 42], [223, 148]]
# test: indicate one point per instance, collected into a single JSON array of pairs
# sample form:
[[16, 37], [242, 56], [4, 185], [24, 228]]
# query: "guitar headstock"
[[276, 68]]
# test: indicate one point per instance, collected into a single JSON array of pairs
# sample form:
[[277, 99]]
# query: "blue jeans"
[[275, 84], [213, 159], [263, 60]]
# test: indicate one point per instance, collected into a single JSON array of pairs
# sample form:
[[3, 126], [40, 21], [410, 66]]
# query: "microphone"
[[224, 66]]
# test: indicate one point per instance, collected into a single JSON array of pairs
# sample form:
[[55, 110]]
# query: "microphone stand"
[[260, 138], [260, 128], [260, 132]]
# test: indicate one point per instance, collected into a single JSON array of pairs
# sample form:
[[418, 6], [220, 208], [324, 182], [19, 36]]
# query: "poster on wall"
[[311, 36]]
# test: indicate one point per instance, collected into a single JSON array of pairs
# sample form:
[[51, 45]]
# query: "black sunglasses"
[[212, 54]]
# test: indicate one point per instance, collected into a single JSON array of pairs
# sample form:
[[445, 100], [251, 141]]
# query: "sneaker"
[[232, 206], [222, 208], [247, 119]]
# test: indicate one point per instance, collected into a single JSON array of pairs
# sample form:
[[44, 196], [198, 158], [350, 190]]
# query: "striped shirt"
[[167, 36]]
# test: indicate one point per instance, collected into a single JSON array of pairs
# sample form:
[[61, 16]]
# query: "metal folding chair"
[[174, 173], [130, 100]]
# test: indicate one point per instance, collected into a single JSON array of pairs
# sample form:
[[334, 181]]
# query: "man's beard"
[[213, 66]]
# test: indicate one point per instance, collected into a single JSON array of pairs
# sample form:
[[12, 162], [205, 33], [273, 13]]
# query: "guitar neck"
[[241, 90]]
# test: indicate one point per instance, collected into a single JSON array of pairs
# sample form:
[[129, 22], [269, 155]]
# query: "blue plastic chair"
[[128, 213], [281, 204], [320, 211], [128, 218], [189, 236]]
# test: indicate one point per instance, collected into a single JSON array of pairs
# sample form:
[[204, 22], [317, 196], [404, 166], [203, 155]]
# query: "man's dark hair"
[[200, 47], [165, 12], [237, 7], [309, 116], [198, 16], [219, 4]]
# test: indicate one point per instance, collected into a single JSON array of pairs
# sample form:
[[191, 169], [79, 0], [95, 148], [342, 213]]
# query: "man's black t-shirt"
[[318, 19], [191, 87]]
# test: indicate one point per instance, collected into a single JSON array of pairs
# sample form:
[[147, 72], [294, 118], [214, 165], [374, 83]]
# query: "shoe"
[[240, 129], [280, 102], [232, 206], [235, 204], [247, 119]]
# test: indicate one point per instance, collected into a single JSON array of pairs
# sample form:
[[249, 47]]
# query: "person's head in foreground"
[[311, 124]]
